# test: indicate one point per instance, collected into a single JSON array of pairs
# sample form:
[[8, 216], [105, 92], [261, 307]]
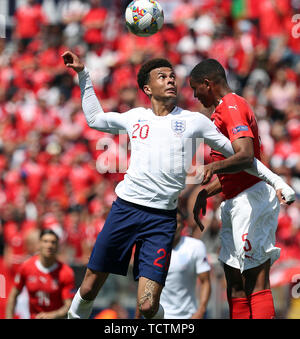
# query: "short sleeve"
[[202, 264], [236, 118]]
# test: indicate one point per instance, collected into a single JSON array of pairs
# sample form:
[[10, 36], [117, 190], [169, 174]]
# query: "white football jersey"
[[188, 260], [162, 147]]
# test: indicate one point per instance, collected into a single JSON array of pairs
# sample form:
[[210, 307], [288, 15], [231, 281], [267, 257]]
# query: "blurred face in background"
[[31, 2], [48, 246]]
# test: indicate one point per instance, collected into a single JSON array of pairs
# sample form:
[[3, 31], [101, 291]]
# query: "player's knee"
[[148, 309]]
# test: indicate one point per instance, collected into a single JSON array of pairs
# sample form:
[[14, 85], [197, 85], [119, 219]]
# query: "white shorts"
[[249, 223]]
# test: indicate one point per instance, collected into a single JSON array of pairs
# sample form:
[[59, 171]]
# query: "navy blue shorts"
[[127, 224]]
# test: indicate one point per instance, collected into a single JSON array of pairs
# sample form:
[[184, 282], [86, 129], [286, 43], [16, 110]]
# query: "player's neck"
[[222, 91], [47, 262], [162, 108]]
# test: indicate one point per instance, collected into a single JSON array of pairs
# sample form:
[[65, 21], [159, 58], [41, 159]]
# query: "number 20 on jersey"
[[140, 131]]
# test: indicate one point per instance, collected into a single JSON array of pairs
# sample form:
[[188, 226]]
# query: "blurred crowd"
[[55, 172]]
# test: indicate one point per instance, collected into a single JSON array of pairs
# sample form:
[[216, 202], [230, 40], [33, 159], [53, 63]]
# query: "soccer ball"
[[144, 17]]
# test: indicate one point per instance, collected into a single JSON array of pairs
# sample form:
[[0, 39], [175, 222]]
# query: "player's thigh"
[[235, 282], [148, 292], [254, 223], [112, 249], [257, 278], [228, 251], [154, 247]]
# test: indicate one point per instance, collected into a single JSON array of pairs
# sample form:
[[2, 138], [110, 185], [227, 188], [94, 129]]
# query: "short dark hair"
[[48, 231], [209, 69], [147, 67]]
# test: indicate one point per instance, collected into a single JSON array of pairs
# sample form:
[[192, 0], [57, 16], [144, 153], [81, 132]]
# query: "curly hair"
[[144, 72]]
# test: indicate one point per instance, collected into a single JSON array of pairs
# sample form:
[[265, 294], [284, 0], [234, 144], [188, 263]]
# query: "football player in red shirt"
[[250, 210], [48, 281]]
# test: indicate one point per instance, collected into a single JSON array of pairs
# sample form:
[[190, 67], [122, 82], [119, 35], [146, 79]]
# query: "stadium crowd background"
[[50, 159]]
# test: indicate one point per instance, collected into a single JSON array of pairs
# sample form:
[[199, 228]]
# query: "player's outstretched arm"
[[239, 159], [109, 122]]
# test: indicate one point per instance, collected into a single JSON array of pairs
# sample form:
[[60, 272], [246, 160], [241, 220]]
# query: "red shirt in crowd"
[[29, 20], [47, 287], [82, 178], [55, 185], [34, 175], [235, 119], [272, 14], [15, 240], [92, 19]]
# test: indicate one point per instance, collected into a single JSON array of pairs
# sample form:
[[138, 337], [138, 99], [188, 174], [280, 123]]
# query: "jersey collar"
[[44, 269]]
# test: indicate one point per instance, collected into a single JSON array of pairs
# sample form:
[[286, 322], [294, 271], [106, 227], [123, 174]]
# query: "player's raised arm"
[[238, 161], [96, 118]]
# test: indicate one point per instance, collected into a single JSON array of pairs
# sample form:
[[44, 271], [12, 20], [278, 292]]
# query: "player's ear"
[[207, 83], [147, 90]]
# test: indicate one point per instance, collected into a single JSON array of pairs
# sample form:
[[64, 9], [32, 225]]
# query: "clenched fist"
[[71, 60]]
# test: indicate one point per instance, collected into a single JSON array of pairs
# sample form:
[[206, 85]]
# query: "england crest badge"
[[178, 126]]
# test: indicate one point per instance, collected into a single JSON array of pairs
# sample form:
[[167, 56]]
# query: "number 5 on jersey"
[[247, 246]]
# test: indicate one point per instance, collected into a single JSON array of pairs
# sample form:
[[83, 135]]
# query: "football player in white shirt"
[[187, 288], [144, 214]]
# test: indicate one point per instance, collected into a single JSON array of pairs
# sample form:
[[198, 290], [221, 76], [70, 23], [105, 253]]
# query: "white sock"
[[80, 308], [160, 313]]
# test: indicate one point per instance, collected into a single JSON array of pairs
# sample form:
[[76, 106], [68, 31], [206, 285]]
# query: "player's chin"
[[204, 102], [171, 94]]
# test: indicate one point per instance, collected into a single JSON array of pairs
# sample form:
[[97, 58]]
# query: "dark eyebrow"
[[164, 73]]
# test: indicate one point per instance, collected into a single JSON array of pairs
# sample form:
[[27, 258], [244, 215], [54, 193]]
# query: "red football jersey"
[[47, 287], [235, 119]]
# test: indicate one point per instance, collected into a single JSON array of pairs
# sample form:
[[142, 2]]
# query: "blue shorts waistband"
[[171, 213]]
